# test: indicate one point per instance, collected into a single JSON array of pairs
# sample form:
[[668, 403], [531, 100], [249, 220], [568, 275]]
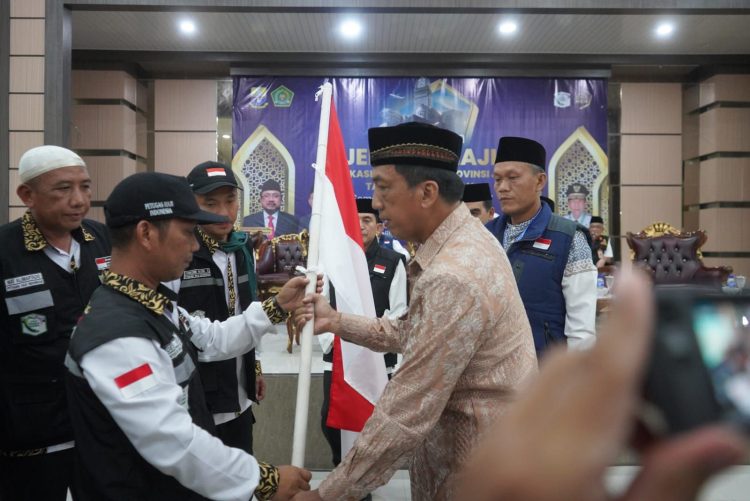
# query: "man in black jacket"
[[219, 283], [50, 266]]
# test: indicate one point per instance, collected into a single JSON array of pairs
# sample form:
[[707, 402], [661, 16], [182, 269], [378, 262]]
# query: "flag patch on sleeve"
[[378, 268], [215, 171], [136, 381], [103, 263], [542, 243]]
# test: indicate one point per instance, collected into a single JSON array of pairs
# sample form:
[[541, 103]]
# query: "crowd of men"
[[127, 353]]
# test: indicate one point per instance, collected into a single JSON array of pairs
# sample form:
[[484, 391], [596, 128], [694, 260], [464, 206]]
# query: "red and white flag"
[[359, 375], [136, 381]]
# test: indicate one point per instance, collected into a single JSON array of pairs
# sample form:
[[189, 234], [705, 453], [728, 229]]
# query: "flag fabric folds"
[[359, 375]]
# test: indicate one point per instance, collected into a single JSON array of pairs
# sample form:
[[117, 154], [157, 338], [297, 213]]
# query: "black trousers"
[[238, 432], [45, 477]]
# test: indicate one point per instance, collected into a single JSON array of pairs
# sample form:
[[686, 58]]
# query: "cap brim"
[[203, 217], [211, 187]]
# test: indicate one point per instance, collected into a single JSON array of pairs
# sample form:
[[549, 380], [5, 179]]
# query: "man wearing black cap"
[[141, 423], [466, 341], [550, 255], [277, 221], [388, 282], [601, 247], [478, 200], [220, 283], [577, 194]]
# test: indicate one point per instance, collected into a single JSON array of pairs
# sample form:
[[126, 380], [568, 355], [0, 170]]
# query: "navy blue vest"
[[538, 260]]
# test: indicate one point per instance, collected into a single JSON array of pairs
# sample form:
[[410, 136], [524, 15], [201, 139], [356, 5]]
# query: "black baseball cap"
[[152, 196], [206, 177]]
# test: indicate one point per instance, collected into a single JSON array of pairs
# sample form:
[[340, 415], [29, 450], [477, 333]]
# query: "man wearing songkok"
[[550, 255], [220, 283], [478, 199], [466, 342], [142, 427], [271, 216], [388, 283], [601, 246], [49, 265], [577, 194]]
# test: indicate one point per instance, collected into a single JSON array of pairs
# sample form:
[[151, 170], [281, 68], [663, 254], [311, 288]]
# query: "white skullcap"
[[41, 159]]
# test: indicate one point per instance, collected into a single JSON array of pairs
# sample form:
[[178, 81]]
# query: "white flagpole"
[[306, 338]]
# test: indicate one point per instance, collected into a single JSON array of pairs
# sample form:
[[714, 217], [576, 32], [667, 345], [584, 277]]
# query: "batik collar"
[[153, 300], [34, 240], [210, 242]]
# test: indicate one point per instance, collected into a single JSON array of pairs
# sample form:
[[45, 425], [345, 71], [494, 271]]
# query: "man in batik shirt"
[[466, 342]]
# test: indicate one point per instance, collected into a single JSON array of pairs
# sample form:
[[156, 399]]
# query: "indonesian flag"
[[359, 375]]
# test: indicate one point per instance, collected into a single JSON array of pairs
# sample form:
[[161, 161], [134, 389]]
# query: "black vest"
[[381, 263], [40, 304], [110, 467], [203, 290]]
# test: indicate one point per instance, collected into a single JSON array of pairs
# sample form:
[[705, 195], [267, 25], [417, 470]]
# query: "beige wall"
[[26, 89], [717, 168], [184, 124], [108, 128], [650, 155]]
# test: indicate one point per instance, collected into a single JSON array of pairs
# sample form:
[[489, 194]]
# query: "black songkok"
[[479, 192], [415, 143], [520, 149]]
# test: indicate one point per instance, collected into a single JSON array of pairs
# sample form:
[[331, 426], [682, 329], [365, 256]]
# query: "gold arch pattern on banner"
[[262, 157], [580, 159]]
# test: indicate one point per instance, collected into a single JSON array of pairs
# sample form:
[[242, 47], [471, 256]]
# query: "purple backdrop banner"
[[276, 120]]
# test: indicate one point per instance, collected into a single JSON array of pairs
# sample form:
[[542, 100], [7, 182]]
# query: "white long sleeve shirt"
[[156, 420]]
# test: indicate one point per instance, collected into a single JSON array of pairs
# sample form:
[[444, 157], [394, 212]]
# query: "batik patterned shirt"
[[467, 348]]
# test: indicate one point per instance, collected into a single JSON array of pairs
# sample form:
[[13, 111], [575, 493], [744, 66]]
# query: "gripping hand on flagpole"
[[291, 294], [292, 481], [326, 318]]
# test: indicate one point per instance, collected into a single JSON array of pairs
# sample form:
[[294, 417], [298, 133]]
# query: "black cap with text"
[[208, 176], [152, 196]]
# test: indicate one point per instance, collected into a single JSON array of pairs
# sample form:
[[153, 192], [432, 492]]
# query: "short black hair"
[[450, 186], [487, 204], [123, 235]]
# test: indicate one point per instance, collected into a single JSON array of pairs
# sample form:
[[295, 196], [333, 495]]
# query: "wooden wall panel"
[[648, 159], [651, 108], [27, 37], [26, 112], [178, 152], [725, 180], [26, 74], [725, 130], [642, 205], [185, 105]]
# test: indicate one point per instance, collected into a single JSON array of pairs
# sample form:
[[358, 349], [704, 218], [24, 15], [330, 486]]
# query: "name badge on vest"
[[174, 348], [542, 243], [23, 282], [103, 263], [378, 268], [198, 273]]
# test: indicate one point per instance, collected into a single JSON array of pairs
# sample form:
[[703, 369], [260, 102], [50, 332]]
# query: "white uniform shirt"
[[156, 423]]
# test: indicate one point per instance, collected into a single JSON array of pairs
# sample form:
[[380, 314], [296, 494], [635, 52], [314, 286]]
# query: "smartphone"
[[699, 371]]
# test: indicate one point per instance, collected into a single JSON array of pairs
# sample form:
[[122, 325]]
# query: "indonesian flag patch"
[[215, 171], [136, 381], [542, 243], [378, 268], [102, 263]]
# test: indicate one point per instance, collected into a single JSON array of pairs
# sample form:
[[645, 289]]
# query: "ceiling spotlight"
[[350, 29], [187, 26], [226, 136], [508, 27], [665, 29]]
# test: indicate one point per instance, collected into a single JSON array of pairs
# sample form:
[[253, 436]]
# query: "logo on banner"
[[583, 99], [258, 97], [562, 99], [282, 97]]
